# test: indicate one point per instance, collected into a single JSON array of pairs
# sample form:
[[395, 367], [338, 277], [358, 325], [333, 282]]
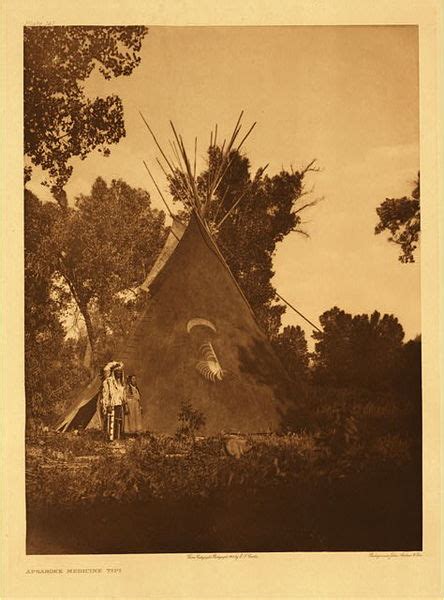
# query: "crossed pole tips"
[[180, 172]]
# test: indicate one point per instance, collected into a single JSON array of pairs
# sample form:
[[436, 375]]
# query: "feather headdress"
[[111, 366]]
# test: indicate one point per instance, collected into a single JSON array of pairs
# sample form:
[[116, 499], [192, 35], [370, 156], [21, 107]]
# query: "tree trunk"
[[88, 358], [83, 308], [91, 334]]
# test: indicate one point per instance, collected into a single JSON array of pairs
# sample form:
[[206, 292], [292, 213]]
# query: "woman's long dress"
[[133, 418]]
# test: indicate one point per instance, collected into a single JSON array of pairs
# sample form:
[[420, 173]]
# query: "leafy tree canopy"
[[362, 350], [291, 347], [401, 217], [60, 121], [96, 250], [52, 363]]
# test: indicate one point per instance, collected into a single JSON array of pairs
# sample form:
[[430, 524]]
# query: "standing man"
[[113, 399]]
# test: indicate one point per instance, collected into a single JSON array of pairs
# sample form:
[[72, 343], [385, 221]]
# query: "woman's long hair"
[[128, 382]]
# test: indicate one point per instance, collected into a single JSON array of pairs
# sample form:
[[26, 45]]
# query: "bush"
[[49, 383], [165, 467], [190, 422], [393, 449]]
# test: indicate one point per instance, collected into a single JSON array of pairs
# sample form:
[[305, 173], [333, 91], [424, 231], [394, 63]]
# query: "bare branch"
[[308, 205], [310, 168], [304, 233]]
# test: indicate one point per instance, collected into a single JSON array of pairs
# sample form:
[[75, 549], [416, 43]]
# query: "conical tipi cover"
[[198, 341]]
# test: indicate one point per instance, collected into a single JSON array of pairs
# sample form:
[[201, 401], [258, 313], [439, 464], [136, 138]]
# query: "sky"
[[346, 96]]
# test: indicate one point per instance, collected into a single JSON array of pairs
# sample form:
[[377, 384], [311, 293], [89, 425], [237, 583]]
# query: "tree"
[[361, 350], [249, 216], [291, 347], [51, 364], [401, 217], [60, 121], [409, 375], [98, 251]]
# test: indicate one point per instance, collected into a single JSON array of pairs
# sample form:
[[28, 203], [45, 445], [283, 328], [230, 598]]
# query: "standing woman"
[[133, 412]]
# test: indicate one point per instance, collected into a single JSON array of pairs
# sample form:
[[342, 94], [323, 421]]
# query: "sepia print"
[[222, 289]]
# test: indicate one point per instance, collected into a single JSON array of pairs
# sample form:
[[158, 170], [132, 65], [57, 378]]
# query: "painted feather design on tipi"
[[209, 366]]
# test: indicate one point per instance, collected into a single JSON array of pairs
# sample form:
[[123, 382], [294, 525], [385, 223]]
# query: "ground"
[[159, 494]]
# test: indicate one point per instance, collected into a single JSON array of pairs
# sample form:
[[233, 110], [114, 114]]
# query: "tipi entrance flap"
[[88, 395]]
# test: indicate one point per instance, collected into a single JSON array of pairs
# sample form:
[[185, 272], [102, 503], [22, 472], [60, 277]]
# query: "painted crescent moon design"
[[202, 322]]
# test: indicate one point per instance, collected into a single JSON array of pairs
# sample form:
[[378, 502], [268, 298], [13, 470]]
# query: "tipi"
[[197, 339]]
